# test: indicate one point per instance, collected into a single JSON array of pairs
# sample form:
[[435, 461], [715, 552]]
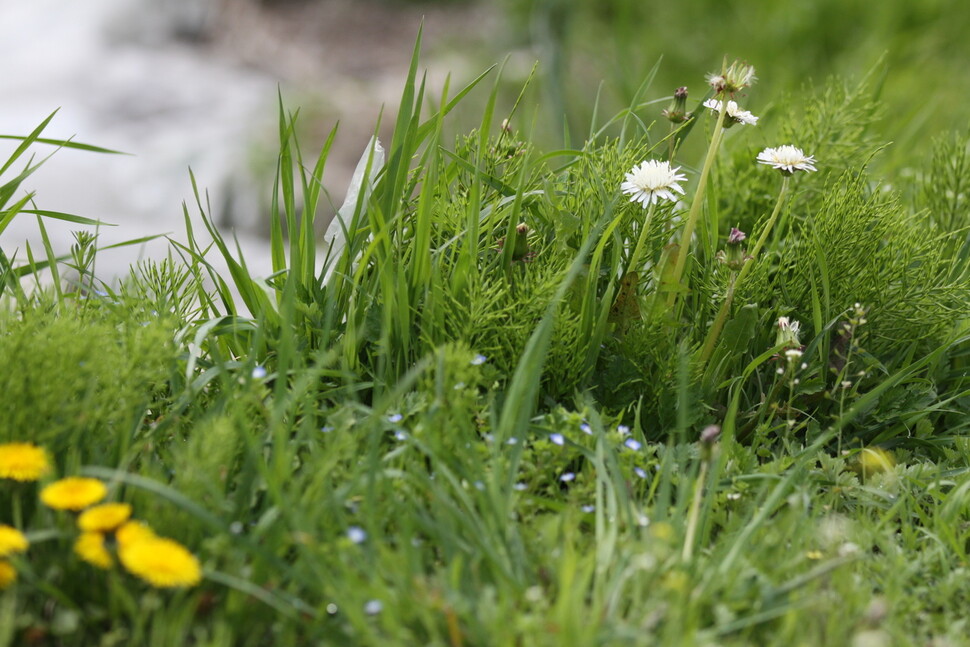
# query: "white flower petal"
[[652, 180], [734, 112], [787, 159]]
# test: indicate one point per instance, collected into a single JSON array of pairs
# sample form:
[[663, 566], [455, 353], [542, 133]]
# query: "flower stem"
[[693, 515], [695, 207], [641, 240], [719, 321], [722, 314], [18, 515]]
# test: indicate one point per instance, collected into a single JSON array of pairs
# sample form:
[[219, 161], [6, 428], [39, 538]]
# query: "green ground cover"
[[513, 407]]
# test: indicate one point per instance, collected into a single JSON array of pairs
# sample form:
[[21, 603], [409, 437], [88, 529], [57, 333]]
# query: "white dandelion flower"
[[787, 159], [652, 180], [735, 115]]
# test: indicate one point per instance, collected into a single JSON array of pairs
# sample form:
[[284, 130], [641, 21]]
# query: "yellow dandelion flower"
[[90, 547], [11, 541], [8, 574], [873, 460], [133, 531], [73, 493], [23, 461], [163, 563], [104, 518]]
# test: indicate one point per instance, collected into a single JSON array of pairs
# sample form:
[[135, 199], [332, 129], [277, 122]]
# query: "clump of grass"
[[97, 372], [475, 421]]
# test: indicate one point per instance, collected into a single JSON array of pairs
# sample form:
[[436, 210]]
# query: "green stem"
[[722, 314], [18, 515], [719, 321], [641, 240], [693, 516], [695, 207]]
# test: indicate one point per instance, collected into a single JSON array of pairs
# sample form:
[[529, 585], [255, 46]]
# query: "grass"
[[479, 420], [913, 51]]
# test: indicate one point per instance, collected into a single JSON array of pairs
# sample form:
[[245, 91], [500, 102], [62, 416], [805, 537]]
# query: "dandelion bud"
[[677, 112], [521, 249], [733, 256], [787, 333], [708, 438], [710, 434]]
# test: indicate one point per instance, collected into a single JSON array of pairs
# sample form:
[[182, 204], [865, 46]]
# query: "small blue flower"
[[259, 373], [623, 430], [373, 607], [520, 487], [567, 477], [395, 418], [586, 429], [478, 360], [630, 443], [326, 429], [401, 435], [588, 508], [512, 441], [356, 534], [639, 471], [557, 439]]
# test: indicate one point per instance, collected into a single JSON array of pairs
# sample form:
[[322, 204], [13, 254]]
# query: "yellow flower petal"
[[11, 541], [133, 531], [23, 461], [873, 460], [73, 493], [104, 518], [8, 574], [163, 563], [90, 547]]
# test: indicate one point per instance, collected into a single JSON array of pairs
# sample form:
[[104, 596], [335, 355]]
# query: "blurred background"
[[193, 83]]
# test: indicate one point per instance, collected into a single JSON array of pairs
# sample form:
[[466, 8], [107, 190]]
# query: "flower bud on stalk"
[[733, 255], [521, 249], [788, 333], [677, 112]]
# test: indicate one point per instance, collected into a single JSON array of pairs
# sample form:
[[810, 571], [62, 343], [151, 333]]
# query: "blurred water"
[[125, 75]]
